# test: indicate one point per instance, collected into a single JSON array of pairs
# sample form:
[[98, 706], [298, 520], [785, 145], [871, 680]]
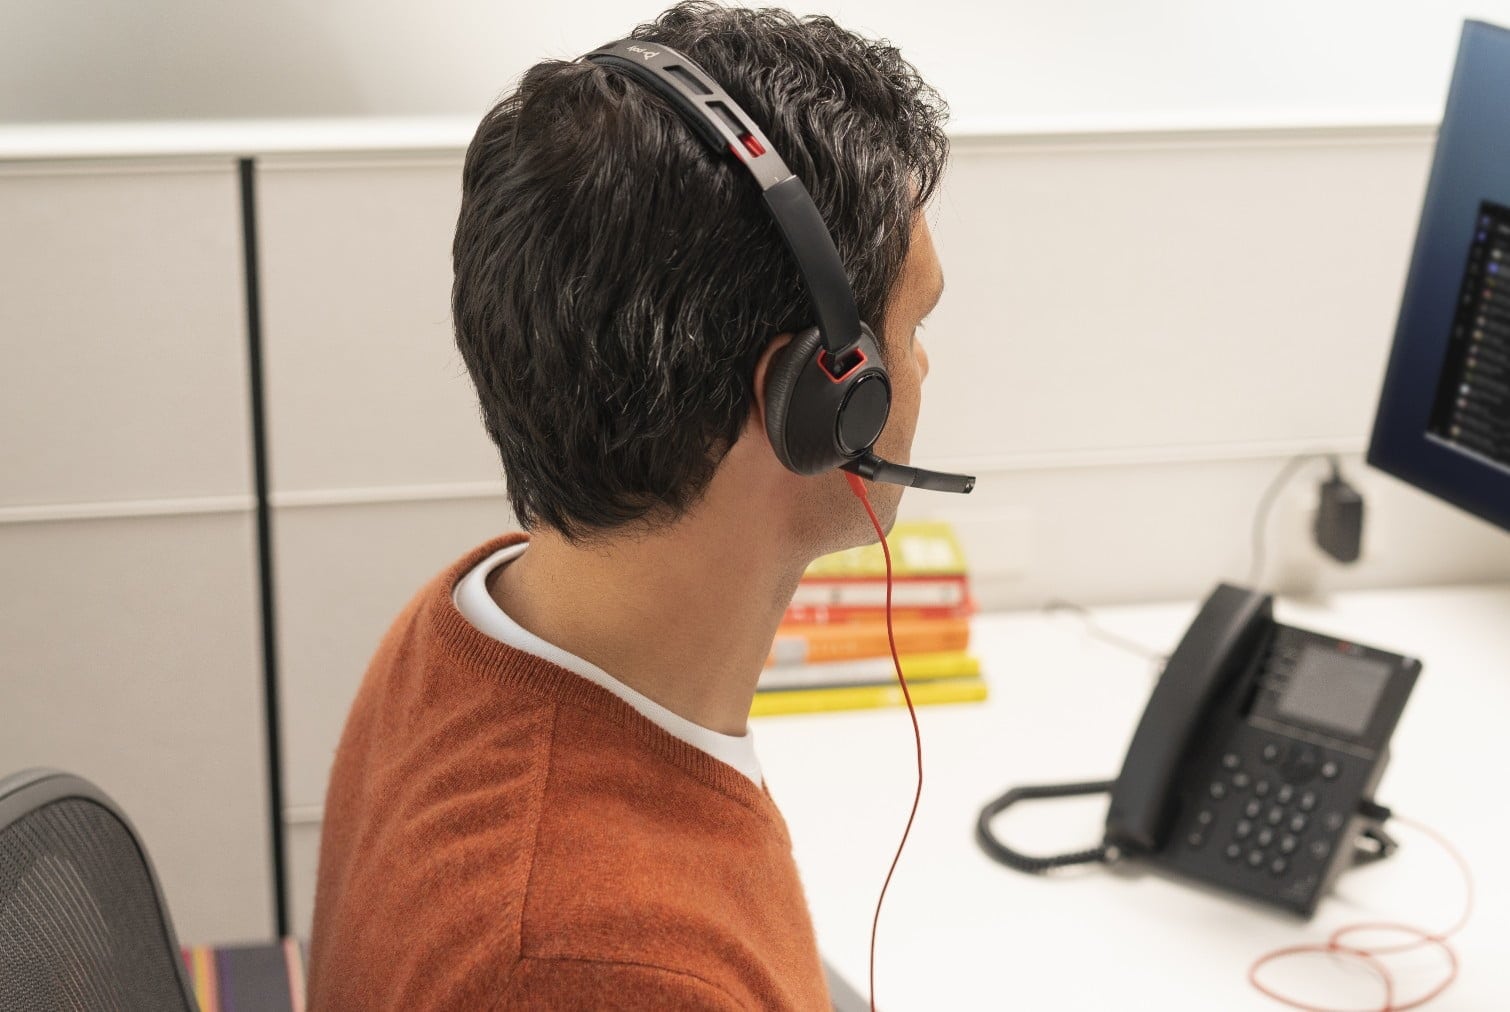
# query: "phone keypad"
[[1267, 813], [1267, 799]]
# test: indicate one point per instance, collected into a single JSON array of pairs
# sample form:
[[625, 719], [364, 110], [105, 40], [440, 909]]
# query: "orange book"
[[809, 644], [811, 615]]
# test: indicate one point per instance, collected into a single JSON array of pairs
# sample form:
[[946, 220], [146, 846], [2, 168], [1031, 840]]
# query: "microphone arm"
[[872, 468]]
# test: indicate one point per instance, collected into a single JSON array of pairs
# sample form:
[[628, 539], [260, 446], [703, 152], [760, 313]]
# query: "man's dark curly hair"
[[616, 281]]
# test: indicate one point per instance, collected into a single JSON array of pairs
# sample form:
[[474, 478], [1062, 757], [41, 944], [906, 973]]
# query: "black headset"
[[828, 394]]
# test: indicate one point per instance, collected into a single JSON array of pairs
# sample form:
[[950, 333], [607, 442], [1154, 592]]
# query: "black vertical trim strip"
[[264, 540]]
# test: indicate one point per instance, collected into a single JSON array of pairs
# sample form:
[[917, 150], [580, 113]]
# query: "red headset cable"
[[857, 485]]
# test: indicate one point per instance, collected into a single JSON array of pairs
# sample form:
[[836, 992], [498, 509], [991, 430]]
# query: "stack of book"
[[831, 652]]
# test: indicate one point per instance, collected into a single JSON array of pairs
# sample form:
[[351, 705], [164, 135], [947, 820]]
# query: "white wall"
[[996, 61]]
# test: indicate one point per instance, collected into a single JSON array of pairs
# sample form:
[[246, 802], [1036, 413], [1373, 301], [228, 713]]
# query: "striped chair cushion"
[[267, 977]]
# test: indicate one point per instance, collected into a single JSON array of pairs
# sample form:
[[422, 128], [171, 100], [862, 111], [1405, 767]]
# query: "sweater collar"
[[478, 653]]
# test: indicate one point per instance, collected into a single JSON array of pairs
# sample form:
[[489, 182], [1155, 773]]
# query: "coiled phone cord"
[[988, 841], [1333, 946]]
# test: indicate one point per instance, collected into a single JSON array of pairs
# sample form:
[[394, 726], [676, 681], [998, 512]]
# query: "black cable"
[[1026, 862], [1266, 503]]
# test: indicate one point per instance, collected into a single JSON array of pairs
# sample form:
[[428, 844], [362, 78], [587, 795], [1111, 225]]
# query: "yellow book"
[[918, 548], [868, 671], [867, 697]]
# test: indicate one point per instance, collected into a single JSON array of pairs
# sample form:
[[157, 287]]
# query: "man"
[[547, 795]]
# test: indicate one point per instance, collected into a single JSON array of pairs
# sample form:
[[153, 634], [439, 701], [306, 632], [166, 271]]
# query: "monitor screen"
[[1472, 407], [1444, 416]]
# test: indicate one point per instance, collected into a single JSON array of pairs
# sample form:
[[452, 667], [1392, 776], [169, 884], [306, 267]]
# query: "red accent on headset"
[[752, 145], [822, 364]]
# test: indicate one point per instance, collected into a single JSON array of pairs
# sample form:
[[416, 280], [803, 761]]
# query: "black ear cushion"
[[781, 380]]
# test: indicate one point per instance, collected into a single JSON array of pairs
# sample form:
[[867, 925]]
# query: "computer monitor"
[[1444, 415]]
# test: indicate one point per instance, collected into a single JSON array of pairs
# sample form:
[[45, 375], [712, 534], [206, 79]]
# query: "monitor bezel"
[[1473, 140]]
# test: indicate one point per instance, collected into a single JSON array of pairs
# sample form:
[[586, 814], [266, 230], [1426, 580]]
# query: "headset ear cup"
[[785, 369]]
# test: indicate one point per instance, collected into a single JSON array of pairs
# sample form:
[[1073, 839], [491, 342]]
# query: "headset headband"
[[719, 121]]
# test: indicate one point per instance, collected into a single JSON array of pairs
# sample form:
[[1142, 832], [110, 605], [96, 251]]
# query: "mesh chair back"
[[82, 921]]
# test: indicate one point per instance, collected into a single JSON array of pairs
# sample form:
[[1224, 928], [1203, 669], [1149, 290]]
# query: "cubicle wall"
[[129, 628], [1140, 329]]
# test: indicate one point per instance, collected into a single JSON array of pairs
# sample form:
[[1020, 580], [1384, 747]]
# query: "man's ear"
[[762, 374]]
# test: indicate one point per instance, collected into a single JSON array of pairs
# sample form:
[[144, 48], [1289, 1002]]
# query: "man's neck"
[[684, 615]]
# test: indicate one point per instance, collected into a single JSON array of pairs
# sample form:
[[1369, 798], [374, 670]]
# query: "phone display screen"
[[1333, 691]]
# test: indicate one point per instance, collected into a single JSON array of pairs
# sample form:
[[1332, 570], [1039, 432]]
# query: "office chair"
[[82, 919]]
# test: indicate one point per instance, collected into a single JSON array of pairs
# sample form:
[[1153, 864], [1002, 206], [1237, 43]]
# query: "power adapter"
[[1339, 518]]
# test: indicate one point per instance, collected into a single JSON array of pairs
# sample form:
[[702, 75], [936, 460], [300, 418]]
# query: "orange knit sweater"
[[501, 833]]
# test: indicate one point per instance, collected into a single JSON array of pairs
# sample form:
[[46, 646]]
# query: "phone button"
[[1307, 801], [1278, 866], [1271, 752], [1255, 858], [1287, 844], [1276, 816], [1231, 760], [1195, 839], [1261, 788], [1234, 851], [1320, 849], [1252, 808], [1265, 837], [1244, 827], [1285, 793], [1297, 823], [1330, 770], [1300, 765], [1240, 781], [1217, 790]]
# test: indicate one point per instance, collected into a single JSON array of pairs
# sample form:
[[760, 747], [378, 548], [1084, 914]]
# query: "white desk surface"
[[959, 931]]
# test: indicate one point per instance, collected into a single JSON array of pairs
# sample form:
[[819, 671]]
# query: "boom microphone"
[[867, 465]]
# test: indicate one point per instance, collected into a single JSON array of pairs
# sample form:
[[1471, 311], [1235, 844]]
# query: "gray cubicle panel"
[[124, 332], [380, 471], [1159, 292], [1140, 328], [365, 387], [130, 627]]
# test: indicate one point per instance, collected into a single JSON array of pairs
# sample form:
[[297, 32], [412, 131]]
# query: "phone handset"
[[1216, 650], [1217, 647]]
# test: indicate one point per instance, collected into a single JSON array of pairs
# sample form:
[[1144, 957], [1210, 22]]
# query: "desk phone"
[[1254, 765]]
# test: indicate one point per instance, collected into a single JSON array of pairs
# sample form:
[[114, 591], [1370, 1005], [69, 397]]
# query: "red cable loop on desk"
[[1370, 957], [857, 485]]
